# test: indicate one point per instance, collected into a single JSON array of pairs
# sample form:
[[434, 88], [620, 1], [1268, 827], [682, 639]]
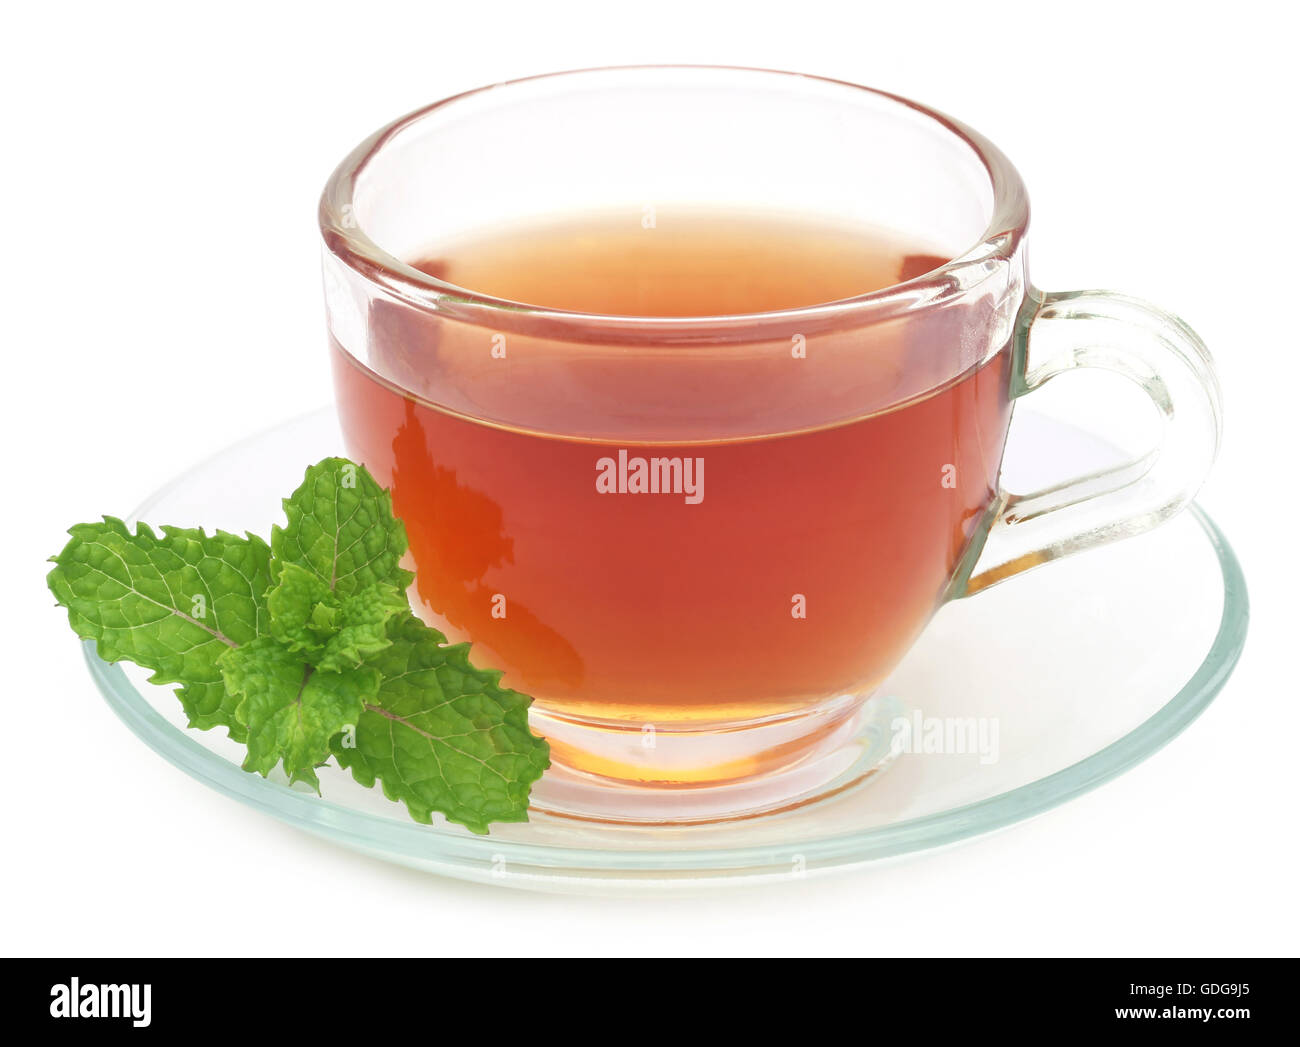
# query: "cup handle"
[[1058, 333]]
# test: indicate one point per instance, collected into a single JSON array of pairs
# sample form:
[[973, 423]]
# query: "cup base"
[[754, 770]]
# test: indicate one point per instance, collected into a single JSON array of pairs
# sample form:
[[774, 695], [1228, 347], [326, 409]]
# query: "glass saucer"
[[1051, 684]]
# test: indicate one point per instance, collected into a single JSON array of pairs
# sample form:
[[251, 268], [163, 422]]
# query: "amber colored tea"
[[622, 561]]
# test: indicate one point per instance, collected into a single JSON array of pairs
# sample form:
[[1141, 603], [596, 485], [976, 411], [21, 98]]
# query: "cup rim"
[[345, 238]]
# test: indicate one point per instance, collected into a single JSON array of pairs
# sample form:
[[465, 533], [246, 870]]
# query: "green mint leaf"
[[341, 528], [290, 708], [331, 633], [363, 626], [443, 736], [173, 603], [302, 610], [307, 647]]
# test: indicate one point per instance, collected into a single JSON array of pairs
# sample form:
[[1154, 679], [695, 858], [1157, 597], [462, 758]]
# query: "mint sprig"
[[307, 648], [444, 736]]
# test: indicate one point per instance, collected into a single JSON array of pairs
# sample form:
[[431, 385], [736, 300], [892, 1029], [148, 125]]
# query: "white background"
[[161, 299]]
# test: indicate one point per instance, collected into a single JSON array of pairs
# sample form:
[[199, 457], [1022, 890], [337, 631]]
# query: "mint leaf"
[[299, 618], [341, 528], [331, 633], [173, 603], [290, 708], [362, 626], [307, 647], [443, 736]]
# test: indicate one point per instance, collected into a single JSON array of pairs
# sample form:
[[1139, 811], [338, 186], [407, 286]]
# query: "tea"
[[696, 535]]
